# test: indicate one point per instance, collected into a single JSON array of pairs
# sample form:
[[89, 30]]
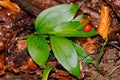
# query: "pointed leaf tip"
[[65, 54]]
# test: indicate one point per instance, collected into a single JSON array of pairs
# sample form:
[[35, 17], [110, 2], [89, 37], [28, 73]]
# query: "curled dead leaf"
[[104, 22], [14, 8]]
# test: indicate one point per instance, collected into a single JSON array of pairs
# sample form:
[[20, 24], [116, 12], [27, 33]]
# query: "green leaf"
[[38, 49], [67, 26], [49, 18], [74, 33], [66, 54], [82, 24], [46, 72], [78, 18], [82, 54]]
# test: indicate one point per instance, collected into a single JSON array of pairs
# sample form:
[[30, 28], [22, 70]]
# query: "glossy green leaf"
[[49, 18], [73, 33], [82, 54], [70, 26], [65, 53], [67, 26], [38, 49], [46, 72]]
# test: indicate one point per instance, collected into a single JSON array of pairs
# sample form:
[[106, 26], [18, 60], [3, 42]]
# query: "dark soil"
[[16, 64]]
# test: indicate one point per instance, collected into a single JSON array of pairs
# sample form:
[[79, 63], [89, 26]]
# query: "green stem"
[[100, 55], [46, 72], [119, 38], [22, 38], [25, 37]]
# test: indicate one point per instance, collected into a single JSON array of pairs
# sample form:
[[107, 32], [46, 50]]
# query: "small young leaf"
[[49, 18], [91, 33], [67, 26], [38, 49], [78, 18], [82, 54], [82, 24], [73, 33], [71, 26], [66, 54], [46, 72]]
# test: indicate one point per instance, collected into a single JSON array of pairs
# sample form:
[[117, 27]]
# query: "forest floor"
[[16, 63]]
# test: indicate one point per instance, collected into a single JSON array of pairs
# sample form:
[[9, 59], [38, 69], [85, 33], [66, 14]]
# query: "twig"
[[114, 69], [29, 7], [115, 46]]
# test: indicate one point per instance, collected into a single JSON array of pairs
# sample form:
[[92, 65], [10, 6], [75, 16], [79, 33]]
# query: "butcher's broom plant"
[[58, 26]]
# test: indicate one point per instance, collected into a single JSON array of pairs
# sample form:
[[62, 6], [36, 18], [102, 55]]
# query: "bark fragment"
[[28, 7]]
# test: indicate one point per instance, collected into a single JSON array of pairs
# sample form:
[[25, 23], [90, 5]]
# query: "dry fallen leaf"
[[119, 53], [89, 46], [104, 22], [14, 8], [2, 62]]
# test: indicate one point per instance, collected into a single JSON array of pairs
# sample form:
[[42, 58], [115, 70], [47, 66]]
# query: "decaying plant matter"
[[14, 8]]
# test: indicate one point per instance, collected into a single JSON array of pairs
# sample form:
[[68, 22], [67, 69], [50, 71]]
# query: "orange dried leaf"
[[14, 8], [31, 64], [104, 22], [82, 20], [2, 59], [2, 62], [119, 53]]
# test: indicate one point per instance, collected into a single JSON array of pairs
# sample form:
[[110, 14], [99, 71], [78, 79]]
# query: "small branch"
[[114, 69], [117, 47], [28, 7]]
